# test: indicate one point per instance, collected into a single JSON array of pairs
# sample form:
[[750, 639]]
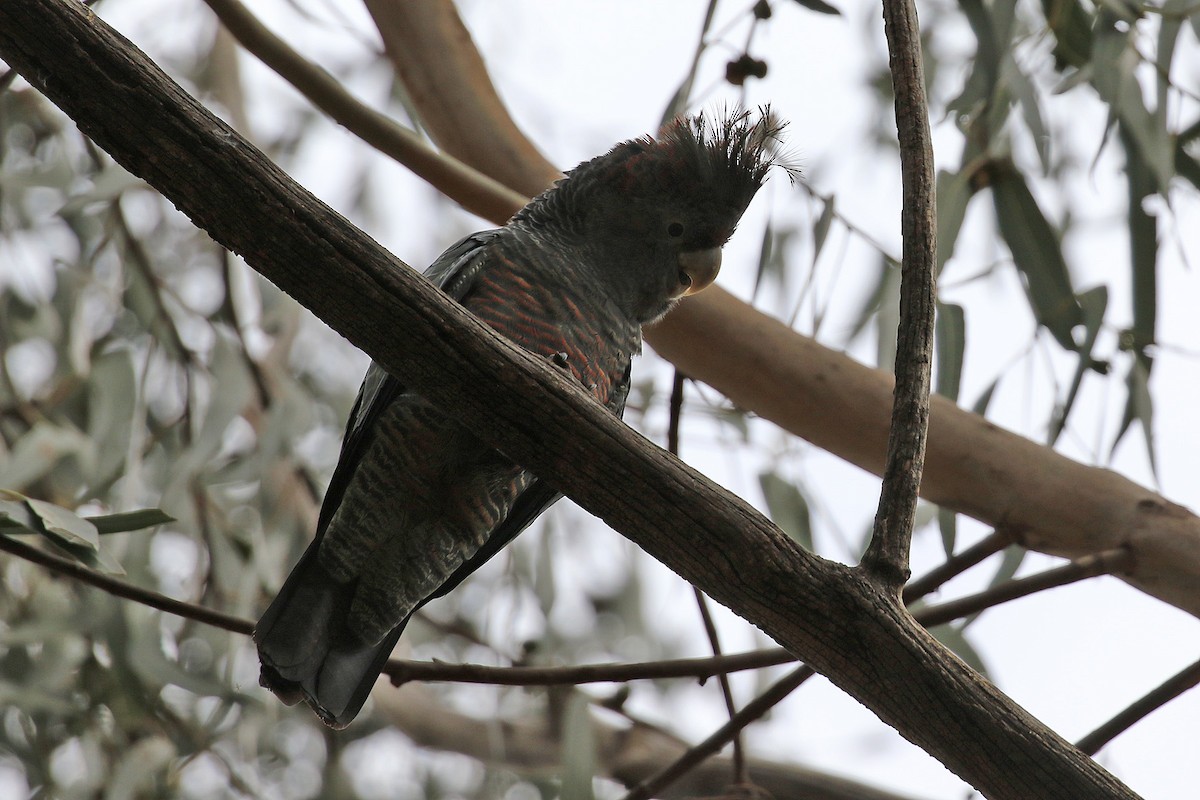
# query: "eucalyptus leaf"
[[112, 389], [765, 262], [820, 229], [67, 526], [955, 639], [1143, 246], [820, 6], [1072, 27], [1139, 405], [130, 520], [788, 508], [954, 193], [980, 406], [1094, 303], [14, 514], [887, 320], [950, 342], [1116, 63], [948, 528], [1037, 254]]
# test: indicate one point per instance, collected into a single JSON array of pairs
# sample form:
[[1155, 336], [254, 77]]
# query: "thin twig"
[[401, 671], [120, 588], [886, 559], [699, 668], [1118, 559], [1174, 686], [720, 737], [740, 775], [954, 566]]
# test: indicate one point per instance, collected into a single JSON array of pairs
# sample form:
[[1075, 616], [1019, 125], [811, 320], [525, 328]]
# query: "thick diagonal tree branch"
[[842, 625]]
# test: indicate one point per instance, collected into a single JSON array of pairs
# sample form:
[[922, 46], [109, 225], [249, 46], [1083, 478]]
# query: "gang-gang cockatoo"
[[417, 502]]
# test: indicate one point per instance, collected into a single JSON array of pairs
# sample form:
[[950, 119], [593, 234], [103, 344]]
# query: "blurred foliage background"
[[141, 366]]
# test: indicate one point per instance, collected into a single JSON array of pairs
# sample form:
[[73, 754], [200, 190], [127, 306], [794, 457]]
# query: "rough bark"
[[824, 612]]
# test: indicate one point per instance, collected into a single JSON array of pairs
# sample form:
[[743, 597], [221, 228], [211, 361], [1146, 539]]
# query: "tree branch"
[[626, 754], [1187, 678], [1029, 493], [445, 77], [402, 671], [843, 626], [697, 754], [475, 191], [119, 588], [891, 537]]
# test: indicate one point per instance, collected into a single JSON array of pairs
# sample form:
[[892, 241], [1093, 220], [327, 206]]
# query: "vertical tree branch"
[[887, 555]]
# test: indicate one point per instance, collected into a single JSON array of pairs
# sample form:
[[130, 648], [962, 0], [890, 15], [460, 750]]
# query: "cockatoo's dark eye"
[[675, 230]]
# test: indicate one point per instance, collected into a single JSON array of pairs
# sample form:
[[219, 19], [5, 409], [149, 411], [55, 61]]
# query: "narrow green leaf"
[[65, 525], [130, 520], [879, 293], [887, 320], [1143, 245], [764, 258], [989, 52], [1114, 77], [1009, 564], [788, 508], [112, 387], [579, 749], [955, 639], [1027, 95], [1139, 405], [1094, 303], [820, 6], [820, 231], [14, 514], [1170, 23], [954, 193], [948, 527], [1072, 27], [1014, 555], [1037, 253], [544, 584], [950, 339], [101, 559], [1186, 166], [980, 406]]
